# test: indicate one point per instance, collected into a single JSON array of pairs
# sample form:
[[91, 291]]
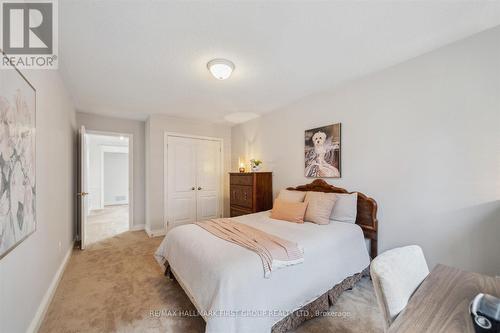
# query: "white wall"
[[115, 173], [27, 272], [136, 128], [156, 126], [422, 138], [96, 145]]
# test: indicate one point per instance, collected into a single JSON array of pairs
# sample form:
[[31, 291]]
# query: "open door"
[[82, 185]]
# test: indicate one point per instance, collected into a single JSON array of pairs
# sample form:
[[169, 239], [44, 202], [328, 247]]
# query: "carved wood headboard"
[[366, 216]]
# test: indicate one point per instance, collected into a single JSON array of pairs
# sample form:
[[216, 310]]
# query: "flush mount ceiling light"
[[240, 117], [221, 69]]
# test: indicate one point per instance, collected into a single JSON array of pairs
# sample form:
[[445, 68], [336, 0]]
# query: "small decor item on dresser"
[[485, 313], [255, 164], [242, 167], [322, 152], [17, 158]]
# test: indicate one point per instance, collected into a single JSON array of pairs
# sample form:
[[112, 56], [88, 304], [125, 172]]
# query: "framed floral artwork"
[[17, 159]]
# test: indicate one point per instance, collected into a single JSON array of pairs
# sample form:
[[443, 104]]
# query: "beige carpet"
[[106, 223], [115, 284]]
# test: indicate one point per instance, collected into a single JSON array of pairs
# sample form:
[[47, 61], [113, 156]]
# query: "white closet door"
[[208, 176], [181, 181]]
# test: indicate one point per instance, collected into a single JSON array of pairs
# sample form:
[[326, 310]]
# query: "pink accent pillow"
[[289, 211], [319, 207]]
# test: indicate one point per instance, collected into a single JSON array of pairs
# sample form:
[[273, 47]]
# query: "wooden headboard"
[[366, 216]]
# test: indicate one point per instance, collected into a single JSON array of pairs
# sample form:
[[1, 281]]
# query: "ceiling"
[[130, 59]]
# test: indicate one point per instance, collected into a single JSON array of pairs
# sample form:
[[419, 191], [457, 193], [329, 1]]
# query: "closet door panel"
[[207, 207], [181, 181], [208, 179]]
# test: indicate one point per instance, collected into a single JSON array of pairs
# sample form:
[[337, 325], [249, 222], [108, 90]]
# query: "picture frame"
[[322, 152], [17, 158]]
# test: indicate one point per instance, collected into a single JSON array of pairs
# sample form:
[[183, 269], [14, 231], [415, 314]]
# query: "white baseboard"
[[49, 294], [115, 203], [155, 233], [137, 227]]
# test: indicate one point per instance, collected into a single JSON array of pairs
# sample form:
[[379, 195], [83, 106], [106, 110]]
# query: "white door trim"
[[130, 137], [165, 171], [82, 181]]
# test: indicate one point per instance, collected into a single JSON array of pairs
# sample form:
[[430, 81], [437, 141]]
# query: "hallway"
[[106, 223]]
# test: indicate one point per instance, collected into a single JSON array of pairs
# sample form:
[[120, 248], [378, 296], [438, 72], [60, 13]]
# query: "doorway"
[[193, 179], [106, 166]]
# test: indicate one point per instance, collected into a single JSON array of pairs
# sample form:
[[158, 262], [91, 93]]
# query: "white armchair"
[[396, 274]]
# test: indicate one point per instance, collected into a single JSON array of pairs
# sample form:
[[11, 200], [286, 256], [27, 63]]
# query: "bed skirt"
[[311, 310], [321, 305]]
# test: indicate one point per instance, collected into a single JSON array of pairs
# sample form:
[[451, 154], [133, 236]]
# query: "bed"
[[225, 282]]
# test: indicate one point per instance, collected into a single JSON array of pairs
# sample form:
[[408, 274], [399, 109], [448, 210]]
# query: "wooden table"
[[441, 302]]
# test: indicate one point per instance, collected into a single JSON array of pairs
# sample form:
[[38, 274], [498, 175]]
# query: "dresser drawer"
[[238, 212], [241, 179], [241, 195]]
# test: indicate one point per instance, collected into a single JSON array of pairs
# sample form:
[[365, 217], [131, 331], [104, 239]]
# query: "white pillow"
[[345, 208], [291, 196]]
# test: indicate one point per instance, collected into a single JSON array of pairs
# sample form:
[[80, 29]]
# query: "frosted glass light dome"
[[221, 69]]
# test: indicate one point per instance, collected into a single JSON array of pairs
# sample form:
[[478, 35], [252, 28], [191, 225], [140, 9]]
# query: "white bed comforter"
[[226, 282]]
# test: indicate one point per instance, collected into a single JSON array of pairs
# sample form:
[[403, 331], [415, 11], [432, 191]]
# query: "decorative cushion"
[[396, 274], [345, 208], [291, 196], [319, 207], [289, 211]]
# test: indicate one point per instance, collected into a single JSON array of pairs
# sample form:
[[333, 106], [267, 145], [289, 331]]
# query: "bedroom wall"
[[27, 272], [156, 126], [136, 128], [422, 138]]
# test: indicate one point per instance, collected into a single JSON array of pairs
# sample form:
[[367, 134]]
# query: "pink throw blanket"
[[274, 252]]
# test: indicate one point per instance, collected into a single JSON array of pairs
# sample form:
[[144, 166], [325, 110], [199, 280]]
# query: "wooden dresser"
[[250, 192]]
